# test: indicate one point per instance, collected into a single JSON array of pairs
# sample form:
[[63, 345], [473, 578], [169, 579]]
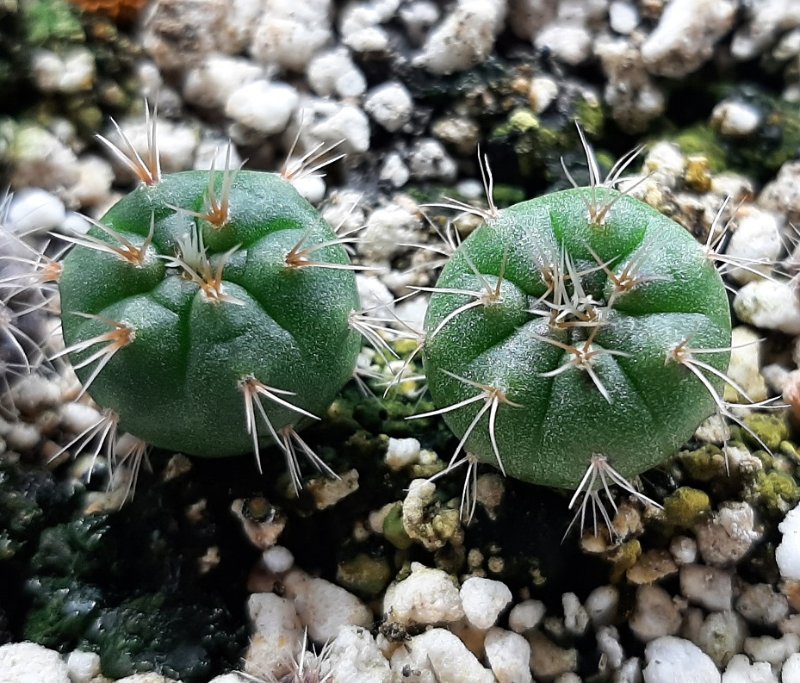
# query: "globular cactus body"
[[207, 306], [578, 328]]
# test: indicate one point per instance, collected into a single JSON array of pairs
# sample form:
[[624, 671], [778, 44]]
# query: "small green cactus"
[[576, 339], [210, 312]]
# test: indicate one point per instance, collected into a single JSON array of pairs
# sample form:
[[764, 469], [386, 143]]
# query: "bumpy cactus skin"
[[573, 324], [256, 301]]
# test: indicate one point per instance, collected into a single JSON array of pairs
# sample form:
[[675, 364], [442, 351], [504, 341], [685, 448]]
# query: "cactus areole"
[[206, 303], [580, 324]]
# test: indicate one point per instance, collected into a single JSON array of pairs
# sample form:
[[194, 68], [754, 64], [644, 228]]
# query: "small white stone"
[[576, 618], [465, 37], [348, 125], [426, 596], [769, 304], [721, 636], [93, 186], [31, 663], [401, 453], [429, 160], [35, 393], [310, 187], [509, 656], [388, 228], [728, 534], [22, 437], [569, 43], [772, 650], [790, 672], [707, 586], [441, 654], [761, 605], [333, 73], [601, 605], [356, 658], [765, 20], [323, 606], [288, 32], [210, 84], [483, 600], [686, 34], [670, 659], [756, 240], [40, 159], [542, 93], [83, 666], [526, 615], [683, 549], [418, 16], [263, 106], [394, 170], [740, 670], [78, 417], [79, 71], [376, 299], [744, 367], [608, 644], [277, 636], [548, 660], [736, 119], [787, 554], [34, 210], [623, 17], [655, 614], [390, 105], [278, 559]]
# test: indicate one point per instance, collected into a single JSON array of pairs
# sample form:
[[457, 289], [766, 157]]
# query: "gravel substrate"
[[209, 567]]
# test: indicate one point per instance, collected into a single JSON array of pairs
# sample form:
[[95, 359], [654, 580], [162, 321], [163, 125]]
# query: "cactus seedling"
[[210, 312], [576, 340]]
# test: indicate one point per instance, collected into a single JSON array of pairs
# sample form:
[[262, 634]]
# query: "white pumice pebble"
[[390, 105], [601, 605], [264, 106], [576, 618], [707, 586], [655, 614], [769, 304], [526, 615], [464, 38], [216, 78], [483, 600], [34, 210], [277, 633], [324, 607], [790, 671], [772, 650], [721, 635], [670, 659], [426, 596], [741, 670], [278, 559], [401, 453], [83, 666], [355, 657], [334, 73], [443, 657], [735, 119], [31, 663], [508, 654], [787, 554]]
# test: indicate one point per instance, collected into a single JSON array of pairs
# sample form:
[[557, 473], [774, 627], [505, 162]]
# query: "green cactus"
[[210, 312], [576, 339]]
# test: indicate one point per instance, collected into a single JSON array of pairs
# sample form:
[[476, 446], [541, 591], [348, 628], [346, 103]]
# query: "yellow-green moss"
[[364, 574], [686, 506]]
